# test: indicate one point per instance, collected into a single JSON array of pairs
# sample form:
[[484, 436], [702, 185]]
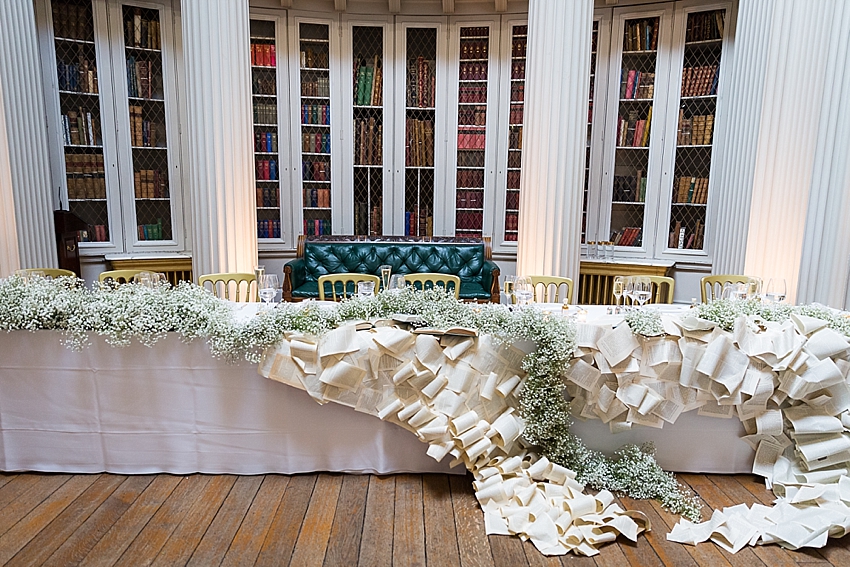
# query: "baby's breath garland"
[[725, 311], [125, 312], [646, 322]]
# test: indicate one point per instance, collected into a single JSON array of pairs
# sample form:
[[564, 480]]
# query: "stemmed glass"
[[775, 290], [642, 290], [509, 288], [386, 271], [523, 290], [628, 291], [618, 290], [268, 285]]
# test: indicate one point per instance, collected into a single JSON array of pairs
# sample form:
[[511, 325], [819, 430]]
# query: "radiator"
[[595, 280], [175, 269]]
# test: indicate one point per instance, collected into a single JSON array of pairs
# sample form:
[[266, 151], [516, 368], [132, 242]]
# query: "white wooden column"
[[825, 262], [219, 135], [9, 258], [554, 137], [26, 137]]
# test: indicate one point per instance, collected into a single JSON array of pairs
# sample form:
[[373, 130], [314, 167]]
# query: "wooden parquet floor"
[[322, 520]]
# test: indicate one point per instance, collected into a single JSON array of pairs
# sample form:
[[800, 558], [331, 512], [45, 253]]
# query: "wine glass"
[[642, 290], [509, 288], [617, 289], [386, 271], [523, 290], [628, 291], [397, 282], [268, 287], [775, 290]]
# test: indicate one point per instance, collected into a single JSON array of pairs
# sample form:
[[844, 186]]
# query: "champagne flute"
[[775, 290], [386, 271], [628, 291], [509, 288], [268, 287], [618, 290]]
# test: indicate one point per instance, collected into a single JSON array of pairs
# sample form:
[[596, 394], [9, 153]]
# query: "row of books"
[[315, 171], [368, 82], [317, 197], [365, 223], [265, 142], [316, 227], [515, 157], [263, 54], [474, 49], [141, 31], [421, 82], [519, 47], [419, 222], [636, 84], [80, 128], [512, 200], [95, 233], [264, 85], [474, 32], [268, 228], [266, 169], [140, 78], [641, 35], [515, 143], [471, 140], [419, 146], [513, 179], [265, 113], [472, 71], [318, 86], [700, 81], [628, 236], [696, 130], [151, 231], [85, 176], [518, 92], [518, 69], [704, 26], [512, 224], [629, 188], [150, 184], [690, 190], [144, 133], [469, 220], [77, 77], [73, 21], [312, 59], [316, 114], [268, 196], [470, 159], [684, 239], [632, 131], [472, 94], [470, 178], [472, 115], [316, 142], [516, 114], [368, 142], [470, 199]]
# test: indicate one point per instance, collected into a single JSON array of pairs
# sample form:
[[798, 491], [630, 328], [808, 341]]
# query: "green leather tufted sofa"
[[467, 258]]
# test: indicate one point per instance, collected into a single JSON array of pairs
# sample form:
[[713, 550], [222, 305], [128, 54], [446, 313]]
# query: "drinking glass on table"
[[509, 288], [775, 290], [386, 271], [365, 289], [523, 290], [268, 285], [397, 282], [617, 290], [642, 290], [628, 291]]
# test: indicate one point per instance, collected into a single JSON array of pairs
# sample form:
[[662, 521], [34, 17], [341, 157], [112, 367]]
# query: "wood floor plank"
[[376, 545], [47, 510], [670, 553], [507, 551], [347, 531], [837, 551], [537, 559], [280, 540], [473, 543], [704, 554], [246, 544], [611, 556], [23, 497], [573, 560], [69, 523], [441, 540], [6, 477], [217, 539], [186, 536], [156, 532], [409, 527], [18, 484], [312, 542]]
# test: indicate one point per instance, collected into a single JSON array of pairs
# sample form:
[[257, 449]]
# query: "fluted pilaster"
[[9, 258], [221, 171], [554, 137], [825, 261], [26, 136]]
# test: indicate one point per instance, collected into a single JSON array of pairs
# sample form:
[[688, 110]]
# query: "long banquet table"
[[173, 408]]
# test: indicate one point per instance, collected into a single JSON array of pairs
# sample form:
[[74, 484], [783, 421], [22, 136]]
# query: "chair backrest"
[[547, 289], [47, 272], [710, 287], [662, 288], [118, 276], [224, 283], [448, 281], [347, 283]]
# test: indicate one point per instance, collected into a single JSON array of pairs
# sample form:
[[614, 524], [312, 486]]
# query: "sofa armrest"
[[490, 279], [294, 276]]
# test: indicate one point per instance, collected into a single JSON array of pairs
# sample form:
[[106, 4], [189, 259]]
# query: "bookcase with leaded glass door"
[[112, 121]]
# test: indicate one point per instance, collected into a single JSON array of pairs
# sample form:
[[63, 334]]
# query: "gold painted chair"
[[344, 279], [224, 283], [46, 272], [435, 279], [710, 287], [662, 288], [118, 276], [549, 288]]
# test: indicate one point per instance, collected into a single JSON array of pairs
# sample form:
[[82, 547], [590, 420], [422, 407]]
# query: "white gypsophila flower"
[[646, 322]]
